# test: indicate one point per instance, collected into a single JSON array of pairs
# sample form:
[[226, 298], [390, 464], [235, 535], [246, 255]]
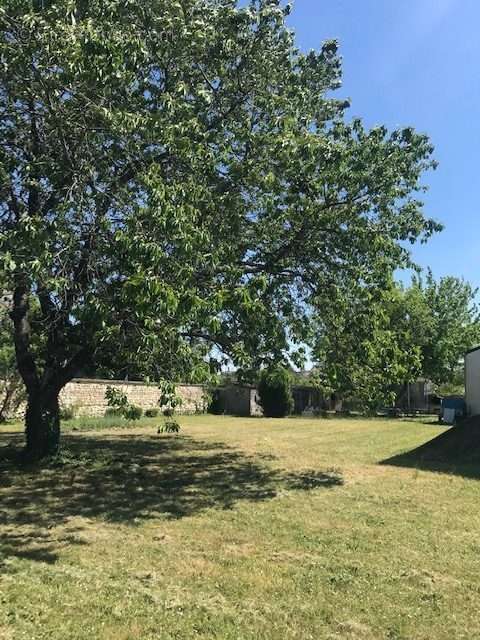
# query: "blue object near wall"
[[453, 407]]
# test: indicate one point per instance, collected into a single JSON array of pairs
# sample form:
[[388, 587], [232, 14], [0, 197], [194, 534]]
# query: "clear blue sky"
[[416, 62]]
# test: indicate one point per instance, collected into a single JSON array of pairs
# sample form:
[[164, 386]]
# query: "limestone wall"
[[88, 396]]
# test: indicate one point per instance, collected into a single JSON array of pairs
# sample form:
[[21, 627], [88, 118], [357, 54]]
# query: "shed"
[[472, 381]]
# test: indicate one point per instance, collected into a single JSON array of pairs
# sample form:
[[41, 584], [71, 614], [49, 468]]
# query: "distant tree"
[[177, 176], [275, 392], [443, 322], [361, 353], [369, 342]]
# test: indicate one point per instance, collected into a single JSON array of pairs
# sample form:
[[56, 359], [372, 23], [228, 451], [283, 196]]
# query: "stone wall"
[[88, 396]]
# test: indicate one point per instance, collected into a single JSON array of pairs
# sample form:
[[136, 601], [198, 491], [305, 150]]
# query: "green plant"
[[275, 392], [68, 412], [133, 412], [119, 405], [151, 413], [116, 399], [169, 399], [113, 412], [169, 426]]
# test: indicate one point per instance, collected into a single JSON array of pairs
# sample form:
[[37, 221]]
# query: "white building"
[[472, 381]]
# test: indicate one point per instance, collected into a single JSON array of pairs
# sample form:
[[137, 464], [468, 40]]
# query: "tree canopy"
[[185, 181], [369, 343]]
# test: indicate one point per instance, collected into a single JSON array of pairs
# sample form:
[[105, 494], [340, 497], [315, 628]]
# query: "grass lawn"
[[240, 529]]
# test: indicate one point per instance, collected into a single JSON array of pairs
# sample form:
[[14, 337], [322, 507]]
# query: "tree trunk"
[[42, 425]]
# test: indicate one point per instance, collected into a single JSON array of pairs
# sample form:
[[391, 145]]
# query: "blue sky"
[[416, 62]]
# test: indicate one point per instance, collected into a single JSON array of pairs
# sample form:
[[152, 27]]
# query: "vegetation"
[[275, 392], [184, 184], [67, 412], [240, 531], [12, 390], [133, 412], [169, 400], [169, 426], [118, 405], [444, 322], [371, 342]]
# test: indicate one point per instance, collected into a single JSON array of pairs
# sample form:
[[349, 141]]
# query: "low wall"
[[88, 396]]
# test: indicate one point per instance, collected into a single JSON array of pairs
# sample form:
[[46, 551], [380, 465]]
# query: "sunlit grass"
[[239, 528]]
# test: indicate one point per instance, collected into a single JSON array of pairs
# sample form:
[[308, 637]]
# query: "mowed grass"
[[240, 529]]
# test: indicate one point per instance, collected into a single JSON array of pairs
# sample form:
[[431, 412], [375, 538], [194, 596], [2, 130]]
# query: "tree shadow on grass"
[[455, 451], [128, 479]]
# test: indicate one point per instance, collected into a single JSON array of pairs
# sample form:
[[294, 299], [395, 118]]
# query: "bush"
[[119, 405], [275, 392], [67, 412], [151, 413], [169, 426], [113, 412], [133, 412], [116, 398], [169, 400]]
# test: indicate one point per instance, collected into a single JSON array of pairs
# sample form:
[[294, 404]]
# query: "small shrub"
[[116, 398], [169, 426], [169, 400], [151, 413], [119, 405], [113, 412], [206, 401], [67, 412], [275, 392], [133, 412]]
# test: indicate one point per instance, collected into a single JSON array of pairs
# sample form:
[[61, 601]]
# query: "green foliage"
[[186, 194], [169, 399], [119, 406], [116, 399], [275, 392], [12, 389], [151, 413], [444, 322], [361, 354], [169, 426], [206, 401], [370, 342], [133, 412], [113, 412], [67, 412]]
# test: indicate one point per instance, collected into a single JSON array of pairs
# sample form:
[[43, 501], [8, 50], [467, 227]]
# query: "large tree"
[[177, 173]]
